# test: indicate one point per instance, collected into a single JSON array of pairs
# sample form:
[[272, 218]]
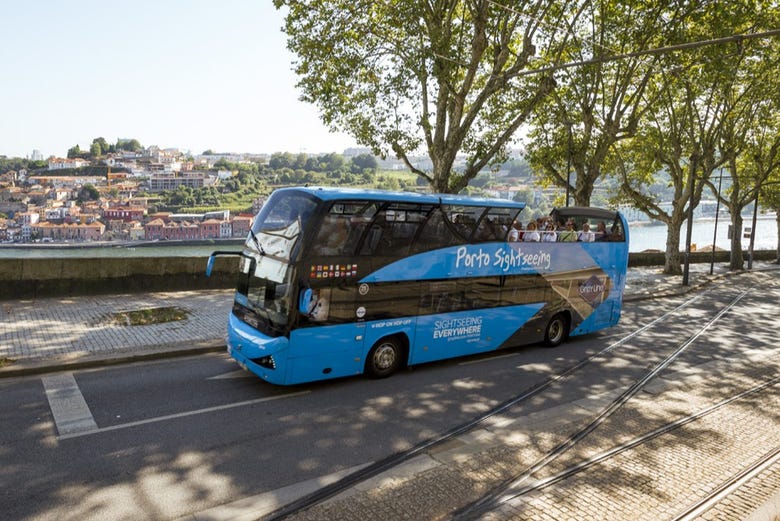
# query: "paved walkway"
[[72, 332]]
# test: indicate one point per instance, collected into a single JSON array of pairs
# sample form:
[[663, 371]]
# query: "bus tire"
[[557, 330], [384, 358]]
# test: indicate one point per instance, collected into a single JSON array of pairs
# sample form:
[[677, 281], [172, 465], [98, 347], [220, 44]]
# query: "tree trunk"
[[672, 259], [737, 261]]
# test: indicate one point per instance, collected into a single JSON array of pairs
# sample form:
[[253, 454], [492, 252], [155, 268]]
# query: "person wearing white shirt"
[[531, 235], [549, 235], [585, 234]]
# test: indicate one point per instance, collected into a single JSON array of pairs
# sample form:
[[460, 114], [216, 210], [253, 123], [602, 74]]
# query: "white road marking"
[[70, 410], [240, 373], [97, 430]]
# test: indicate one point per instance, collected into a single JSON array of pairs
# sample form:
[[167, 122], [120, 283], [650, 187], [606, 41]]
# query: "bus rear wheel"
[[557, 330], [384, 358]]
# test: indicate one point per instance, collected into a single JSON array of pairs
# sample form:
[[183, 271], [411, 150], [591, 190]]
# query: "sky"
[[188, 74]]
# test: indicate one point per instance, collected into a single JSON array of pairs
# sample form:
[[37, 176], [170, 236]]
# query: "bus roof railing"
[[560, 214], [327, 193]]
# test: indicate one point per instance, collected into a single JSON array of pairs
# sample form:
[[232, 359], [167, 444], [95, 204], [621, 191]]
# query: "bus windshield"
[[263, 296], [278, 225], [263, 302]]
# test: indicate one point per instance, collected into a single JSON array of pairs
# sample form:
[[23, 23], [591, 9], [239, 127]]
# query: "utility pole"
[[686, 267]]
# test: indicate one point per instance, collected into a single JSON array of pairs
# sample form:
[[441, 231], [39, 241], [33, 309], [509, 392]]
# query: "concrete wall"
[[25, 278], [28, 278]]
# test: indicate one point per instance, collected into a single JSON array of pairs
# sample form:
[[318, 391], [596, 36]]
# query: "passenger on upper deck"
[[516, 233], [601, 232], [586, 235], [549, 235], [531, 235], [568, 234]]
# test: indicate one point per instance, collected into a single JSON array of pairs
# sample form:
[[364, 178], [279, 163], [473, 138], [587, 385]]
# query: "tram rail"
[[394, 460]]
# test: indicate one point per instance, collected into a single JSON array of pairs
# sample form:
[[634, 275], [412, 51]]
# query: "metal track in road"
[[730, 485], [664, 429], [513, 486], [395, 460]]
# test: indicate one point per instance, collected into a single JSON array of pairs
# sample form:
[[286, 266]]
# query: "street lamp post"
[[715, 233], [753, 230], [686, 267]]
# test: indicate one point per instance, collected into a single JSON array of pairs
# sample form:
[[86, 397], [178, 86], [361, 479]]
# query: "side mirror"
[[304, 300], [210, 265]]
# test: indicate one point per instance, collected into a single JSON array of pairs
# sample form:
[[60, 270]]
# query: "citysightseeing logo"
[[503, 259], [592, 290], [458, 328]]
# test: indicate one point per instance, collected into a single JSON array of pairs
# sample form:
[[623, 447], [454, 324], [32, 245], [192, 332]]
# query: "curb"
[[88, 360]]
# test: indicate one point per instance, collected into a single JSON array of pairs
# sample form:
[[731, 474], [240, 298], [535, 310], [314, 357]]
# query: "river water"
[[642, 237]]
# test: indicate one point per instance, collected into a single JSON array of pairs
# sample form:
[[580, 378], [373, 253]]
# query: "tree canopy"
[[444, 77]]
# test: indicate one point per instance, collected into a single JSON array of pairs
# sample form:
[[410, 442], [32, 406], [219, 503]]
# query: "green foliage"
[[130, 145], [74, 152], [410, 75], [88, 192], [18, 163]]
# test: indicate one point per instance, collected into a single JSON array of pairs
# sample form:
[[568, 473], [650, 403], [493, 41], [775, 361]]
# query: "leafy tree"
[[444, 76], [74, 152], [691, 108], [130, 145], [364, 161], [88, 192], [751, 138], [598, 104], [99, 147]]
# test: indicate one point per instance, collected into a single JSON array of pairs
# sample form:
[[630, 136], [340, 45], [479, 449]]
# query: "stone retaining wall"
[[24, 278]]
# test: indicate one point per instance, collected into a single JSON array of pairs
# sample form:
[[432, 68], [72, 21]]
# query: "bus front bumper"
[[257, 353]]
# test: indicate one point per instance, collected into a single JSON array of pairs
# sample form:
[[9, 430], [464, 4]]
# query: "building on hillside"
[[123, 213], [69, 232], [59, 163], [160, 181], [210, 229], [63, 214], [241, 225], [27, 217], [174, 231], [66, 181]]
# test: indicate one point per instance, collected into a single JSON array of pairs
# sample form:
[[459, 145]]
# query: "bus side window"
[[435, 234]]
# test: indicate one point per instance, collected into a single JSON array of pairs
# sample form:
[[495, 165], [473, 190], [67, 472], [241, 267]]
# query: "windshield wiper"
[[257, 243]]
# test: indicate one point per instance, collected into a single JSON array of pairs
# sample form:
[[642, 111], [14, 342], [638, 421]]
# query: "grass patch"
[[145, 317], [5, 361]]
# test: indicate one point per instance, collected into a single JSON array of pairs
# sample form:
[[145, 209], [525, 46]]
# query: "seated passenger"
[[569, 234], [549, 234], [601, 232], [586, 235], [516, 233], [531, 235]]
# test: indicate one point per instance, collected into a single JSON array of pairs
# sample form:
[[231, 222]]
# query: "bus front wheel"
[[556, 331], [384, 358]]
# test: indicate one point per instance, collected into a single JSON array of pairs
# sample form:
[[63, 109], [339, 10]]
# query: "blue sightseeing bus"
[[336, 282]]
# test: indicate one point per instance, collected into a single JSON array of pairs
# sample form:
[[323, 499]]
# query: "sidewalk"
[[49, 334]]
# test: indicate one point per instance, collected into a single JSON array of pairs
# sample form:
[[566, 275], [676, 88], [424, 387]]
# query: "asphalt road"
[[164, 439]]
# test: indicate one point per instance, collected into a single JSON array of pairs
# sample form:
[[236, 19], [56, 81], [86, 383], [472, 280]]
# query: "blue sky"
[[192, 74]]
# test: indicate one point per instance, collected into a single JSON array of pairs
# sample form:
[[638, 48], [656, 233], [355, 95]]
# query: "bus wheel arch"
[[386, 356], [557, 329]]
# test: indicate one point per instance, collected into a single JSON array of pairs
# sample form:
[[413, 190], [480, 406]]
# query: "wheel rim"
[[384, 357], [555, 333]]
